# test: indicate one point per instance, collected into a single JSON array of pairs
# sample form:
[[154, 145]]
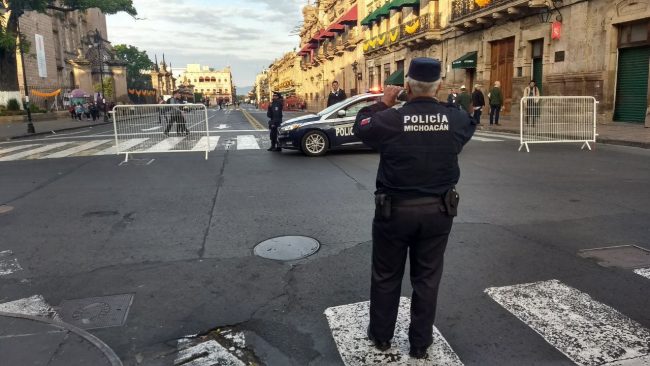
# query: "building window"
[[634, 34]]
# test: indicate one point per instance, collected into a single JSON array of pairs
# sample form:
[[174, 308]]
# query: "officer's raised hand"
[[390, 95]]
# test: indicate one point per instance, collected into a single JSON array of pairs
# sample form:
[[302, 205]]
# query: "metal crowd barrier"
[[157, 128], [546, 120]]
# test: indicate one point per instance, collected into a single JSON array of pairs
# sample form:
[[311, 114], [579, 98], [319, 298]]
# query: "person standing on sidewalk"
[[496, 103], [452, 98], [274, 113], [416, 200], [478, 102], [532, 104], [464, 99]]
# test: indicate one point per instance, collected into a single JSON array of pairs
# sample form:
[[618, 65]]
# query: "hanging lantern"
[[482, 3]]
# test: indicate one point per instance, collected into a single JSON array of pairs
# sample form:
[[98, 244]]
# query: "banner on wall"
[[40, 56]]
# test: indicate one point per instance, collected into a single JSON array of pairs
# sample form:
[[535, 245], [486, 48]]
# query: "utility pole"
[[30, 124]]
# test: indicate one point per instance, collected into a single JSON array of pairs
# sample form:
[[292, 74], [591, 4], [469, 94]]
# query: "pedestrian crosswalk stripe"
[[42, 149], [586, 331], [349, 324], [166, 144], [76, 149], [498, 136], [124, 146], [247, 142], [202, 144], [15, 148], [34, 306], [645, 272]]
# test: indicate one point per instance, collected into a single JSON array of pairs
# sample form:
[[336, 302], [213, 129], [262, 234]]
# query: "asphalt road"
[[179, 235]]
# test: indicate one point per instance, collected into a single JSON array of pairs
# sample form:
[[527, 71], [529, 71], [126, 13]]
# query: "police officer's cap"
[[424, 69]]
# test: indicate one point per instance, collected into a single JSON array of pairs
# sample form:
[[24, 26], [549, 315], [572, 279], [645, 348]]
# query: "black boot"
[[380, 345], [418, 352]]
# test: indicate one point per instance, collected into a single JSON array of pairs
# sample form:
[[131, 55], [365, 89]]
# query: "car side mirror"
[[342, 113]]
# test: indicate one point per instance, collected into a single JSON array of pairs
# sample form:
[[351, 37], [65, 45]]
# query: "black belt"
[[416, 201]]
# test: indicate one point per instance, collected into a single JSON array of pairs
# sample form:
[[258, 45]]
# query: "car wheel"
[[314, 143]]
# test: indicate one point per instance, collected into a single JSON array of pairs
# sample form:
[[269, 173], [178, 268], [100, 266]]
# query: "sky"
[[246, 35]]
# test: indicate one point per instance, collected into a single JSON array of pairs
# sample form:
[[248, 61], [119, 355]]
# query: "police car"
[[315, 134]]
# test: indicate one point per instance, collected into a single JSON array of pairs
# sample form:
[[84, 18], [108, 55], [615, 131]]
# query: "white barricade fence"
[[560, 119], [157, 128]]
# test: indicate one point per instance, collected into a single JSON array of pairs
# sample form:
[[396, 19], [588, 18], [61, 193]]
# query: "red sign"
[[556, 30]]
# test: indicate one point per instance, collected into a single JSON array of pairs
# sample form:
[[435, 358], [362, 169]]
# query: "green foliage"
[[137, 64], [13, 105], [108, 88]]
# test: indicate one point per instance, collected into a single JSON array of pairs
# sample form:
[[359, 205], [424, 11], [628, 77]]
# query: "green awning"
[[370, 18], [468, 61], [396, 78], [398, 4], [383, 11]]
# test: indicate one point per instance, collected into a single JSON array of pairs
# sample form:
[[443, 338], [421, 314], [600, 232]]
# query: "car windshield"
[[334, 107]]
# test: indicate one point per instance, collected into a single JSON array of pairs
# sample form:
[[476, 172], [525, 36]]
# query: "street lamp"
[[98, 41]]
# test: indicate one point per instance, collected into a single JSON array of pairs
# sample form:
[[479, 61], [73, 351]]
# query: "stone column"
[[119, 83]]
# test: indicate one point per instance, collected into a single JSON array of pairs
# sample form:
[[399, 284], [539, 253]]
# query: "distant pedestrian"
[[464, 99], [274, 113], [175, 115], [72, 112], [496, 103], [94, 112], [452, 97], [161, 112], [79, 111], [336, 95], [478, 102], [532, 104]]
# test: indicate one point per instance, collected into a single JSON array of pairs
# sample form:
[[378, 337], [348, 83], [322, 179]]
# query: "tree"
[[16, 8], [108, 88], [137, 63]]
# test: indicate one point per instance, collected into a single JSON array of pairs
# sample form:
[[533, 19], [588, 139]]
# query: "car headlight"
[[290, 127]]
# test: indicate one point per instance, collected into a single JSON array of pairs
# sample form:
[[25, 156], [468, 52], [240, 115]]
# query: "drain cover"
[[96, 312], [625, 256], [287, 248], [4, 209]]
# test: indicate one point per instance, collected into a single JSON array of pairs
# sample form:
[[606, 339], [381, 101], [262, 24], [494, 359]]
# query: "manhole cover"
[[625, 256], [96, 312], [4, 209], [287, 248]]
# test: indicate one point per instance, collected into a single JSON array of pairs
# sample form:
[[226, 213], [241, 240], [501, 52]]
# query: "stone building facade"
[[162, 78], [262, 87], [217, 85], [68, 58], [598, 48]]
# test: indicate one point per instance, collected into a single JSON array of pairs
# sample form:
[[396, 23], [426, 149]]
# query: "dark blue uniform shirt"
[[418, 144]]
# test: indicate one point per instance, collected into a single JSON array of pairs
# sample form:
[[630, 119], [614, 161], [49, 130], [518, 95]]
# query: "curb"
[[27, 135], [107, 351]]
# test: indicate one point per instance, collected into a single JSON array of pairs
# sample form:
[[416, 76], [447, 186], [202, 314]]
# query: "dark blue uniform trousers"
[[421, 231]]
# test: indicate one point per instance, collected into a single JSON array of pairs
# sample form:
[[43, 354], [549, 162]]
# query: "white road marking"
[[54, 134], [202, 144], [125, 146], [222, 127], [206, 354], [166, 144], [8, 264], [586, 331], [498, 135], [484, 139], [39, 150], [645, 272], [76, 149], [15, 148], [349, 325], [151, 129], [34, 306], [247, 142]]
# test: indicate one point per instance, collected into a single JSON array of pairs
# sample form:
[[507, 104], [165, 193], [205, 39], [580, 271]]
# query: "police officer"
[[415, 199], [274, 113]]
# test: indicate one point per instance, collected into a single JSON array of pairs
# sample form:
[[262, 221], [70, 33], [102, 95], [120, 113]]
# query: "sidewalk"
[[614, 133], [13, 130], [29, 340]]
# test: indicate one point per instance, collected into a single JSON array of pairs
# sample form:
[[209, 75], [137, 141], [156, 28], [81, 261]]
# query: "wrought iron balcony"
[[418, 31], [463, 10]]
